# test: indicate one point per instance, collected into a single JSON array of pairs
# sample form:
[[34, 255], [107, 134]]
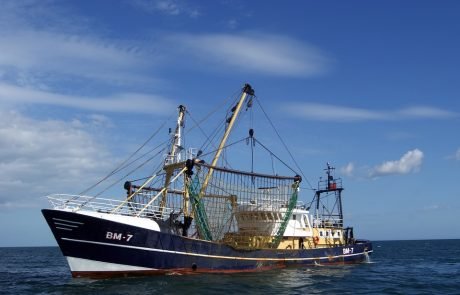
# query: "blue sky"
[[369, 86]]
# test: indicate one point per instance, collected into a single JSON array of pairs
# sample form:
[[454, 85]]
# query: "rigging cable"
[[130, 172], [251, 131], [217, 130], [211, 112], [120, 166], [229, 145], [271, 153], [284, 144]]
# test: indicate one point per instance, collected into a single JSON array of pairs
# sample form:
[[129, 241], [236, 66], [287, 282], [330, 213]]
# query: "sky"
[[369, 86]]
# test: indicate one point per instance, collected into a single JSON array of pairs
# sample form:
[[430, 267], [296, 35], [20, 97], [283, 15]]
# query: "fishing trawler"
[[191, 216]]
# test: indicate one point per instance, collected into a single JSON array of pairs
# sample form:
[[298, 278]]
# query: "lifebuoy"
[[316, 240]]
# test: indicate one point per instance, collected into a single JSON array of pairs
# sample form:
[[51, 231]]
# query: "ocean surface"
[[396, 267]]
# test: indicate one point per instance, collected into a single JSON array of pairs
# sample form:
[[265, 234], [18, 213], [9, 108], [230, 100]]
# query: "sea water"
[[395, 267]]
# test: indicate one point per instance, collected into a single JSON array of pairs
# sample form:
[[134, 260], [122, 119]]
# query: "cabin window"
[[327, 234], [293, 217], [338, 234], [321, 233]]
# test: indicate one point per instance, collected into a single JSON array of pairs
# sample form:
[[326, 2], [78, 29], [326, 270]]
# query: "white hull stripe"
[[65, 224], [69, 221], [211, 256], [80, 264], [64, 228]]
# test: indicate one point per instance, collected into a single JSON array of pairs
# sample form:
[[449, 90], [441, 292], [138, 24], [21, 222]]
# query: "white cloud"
[[427, 112], [46, 55], [49, 64], [232, 24], [45, 42], [41, 157], [168, 7], [125, 102], [100, 120], [408, 163], [17, 51], [258, 53], [325, 112], [348, 169], [457, 155], [38, 13], [33, 54], [433, 207]]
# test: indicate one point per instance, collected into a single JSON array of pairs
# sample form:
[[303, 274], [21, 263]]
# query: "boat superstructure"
[[191, 216]]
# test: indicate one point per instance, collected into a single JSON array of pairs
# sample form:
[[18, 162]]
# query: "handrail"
[[330, 185], [326, 222], [101, 205]]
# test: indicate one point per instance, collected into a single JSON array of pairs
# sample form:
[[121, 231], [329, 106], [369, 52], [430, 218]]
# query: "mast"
[[176, 147], [174, 156], [247, 90]]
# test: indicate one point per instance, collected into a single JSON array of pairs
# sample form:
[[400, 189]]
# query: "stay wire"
[[147, 153], [130, 172], [227, 146], [216, 131], [222, 124], [284, 144], [210, 113], [120, 166], [210, 141], [278, 158]]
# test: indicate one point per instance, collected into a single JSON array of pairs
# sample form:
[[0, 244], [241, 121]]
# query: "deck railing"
[[332, 185], [76, 202], [326, 222]]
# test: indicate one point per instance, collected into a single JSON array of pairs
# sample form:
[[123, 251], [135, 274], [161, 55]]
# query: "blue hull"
[[159, 252]]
